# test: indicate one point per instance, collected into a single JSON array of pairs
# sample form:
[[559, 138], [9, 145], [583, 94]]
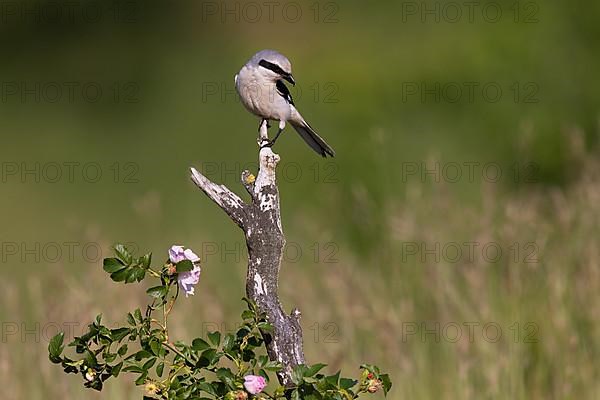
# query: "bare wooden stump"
[[261, 222]]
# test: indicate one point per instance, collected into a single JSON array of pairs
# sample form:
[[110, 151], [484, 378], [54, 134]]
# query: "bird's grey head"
[[273, 65]]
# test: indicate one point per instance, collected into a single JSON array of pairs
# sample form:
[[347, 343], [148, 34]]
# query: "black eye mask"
[[273, 67]]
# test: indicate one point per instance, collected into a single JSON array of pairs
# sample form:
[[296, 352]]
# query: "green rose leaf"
[[200, 344], [298, 374], [120, 276], [157, 291], [206, 387], [226, 376], [160, 368], [139, 274], [146, 260], [119, 334], [314, 369], [210, 355], [333, 379], [142, 379], [116, 369], [55, 347], [387, 383], [149, 364], [122, 350], [215, 338], [123, 254], [90, 359], [140, 355], [184, 266], [346, 383], [274, 366], [111, 265], [207, 358], [133, 275], [228, 342], [155, 347]]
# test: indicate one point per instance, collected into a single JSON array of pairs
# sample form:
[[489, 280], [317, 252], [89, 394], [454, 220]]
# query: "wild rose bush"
[[232, 366]]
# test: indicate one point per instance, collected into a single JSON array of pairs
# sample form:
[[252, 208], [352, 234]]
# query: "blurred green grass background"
[[351, 217]]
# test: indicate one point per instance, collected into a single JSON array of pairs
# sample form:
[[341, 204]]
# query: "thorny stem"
[[167, 310], [172, 303], [153, 272], [165, 329], [176, 372], [158, 323], [174, 350]]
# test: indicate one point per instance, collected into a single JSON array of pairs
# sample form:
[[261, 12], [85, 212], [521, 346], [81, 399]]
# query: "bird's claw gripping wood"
[[262, 121], [263, 133]]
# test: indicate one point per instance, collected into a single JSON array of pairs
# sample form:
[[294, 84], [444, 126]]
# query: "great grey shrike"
[[262, 91]]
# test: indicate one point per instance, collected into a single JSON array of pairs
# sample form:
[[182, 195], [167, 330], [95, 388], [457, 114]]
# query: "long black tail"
[[314, 141]]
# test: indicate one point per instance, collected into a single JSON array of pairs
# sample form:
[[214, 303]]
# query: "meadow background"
[[166, 70]]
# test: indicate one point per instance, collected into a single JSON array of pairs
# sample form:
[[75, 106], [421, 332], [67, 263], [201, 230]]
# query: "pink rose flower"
[[254, 384], [179, 253], [188, 279]]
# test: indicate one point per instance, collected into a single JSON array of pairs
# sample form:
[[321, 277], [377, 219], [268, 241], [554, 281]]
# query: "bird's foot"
[[267, 143], [262, 121], [270, 143]]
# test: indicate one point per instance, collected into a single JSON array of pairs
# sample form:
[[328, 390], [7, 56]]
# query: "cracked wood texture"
[[261, 222]]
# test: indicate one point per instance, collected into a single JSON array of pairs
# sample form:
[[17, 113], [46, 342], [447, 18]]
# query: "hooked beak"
[[290, 79]]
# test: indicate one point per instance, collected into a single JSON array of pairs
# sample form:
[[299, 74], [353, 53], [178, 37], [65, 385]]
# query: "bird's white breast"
[[259, 95]]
